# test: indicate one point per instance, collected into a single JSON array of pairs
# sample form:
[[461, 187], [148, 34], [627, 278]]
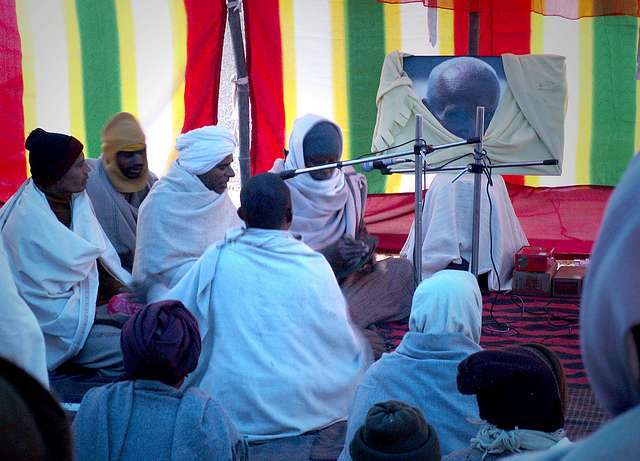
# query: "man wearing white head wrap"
[[444, 329], [610, 330], [186, 211], [328, 212]]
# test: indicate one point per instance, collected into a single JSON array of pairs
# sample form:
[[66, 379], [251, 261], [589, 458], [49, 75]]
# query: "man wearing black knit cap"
[[62, 262], [520, 400], [392, 431]]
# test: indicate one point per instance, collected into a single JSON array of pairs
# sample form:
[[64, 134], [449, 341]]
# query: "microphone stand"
[[477, 168]]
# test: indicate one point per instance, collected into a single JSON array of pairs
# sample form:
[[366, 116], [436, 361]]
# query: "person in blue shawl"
[[148, 416]]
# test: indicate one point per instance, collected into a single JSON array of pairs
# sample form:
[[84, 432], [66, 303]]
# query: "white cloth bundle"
[[447, 223], [55, 268], [203, 148], [323, 211]]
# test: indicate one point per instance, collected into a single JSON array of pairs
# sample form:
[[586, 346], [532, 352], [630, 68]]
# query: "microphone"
[[383, 164], [287, 174]]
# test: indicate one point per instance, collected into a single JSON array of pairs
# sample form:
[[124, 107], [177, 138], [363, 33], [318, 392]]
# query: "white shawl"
[[55, 268], [177, 221], [448, 302], [21, 339], [279, 352], [323, 211]]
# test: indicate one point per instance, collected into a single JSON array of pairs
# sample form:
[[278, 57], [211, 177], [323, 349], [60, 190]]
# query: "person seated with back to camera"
[[279, 351], [328, 212], [395, 431], [444, 329], [63, 263], [148, 416], [521, 397]]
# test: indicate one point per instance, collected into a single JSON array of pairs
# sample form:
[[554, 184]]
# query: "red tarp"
[[565, 218]]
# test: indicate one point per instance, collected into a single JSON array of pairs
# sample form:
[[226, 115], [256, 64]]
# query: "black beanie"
[[323, 138], [396, 431], [514, 388], [51, 155]]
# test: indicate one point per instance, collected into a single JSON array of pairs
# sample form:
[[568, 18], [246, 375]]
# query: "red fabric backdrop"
[[206, 22], [564, 218], [11, 114]]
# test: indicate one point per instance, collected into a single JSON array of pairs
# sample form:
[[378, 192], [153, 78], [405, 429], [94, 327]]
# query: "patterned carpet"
[[554, 322]]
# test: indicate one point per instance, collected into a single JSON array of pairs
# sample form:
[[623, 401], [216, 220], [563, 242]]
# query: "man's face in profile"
[[455, 88]]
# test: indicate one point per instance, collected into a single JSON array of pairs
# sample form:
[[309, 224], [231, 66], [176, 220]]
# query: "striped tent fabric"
[[331, 54], [69, 65]]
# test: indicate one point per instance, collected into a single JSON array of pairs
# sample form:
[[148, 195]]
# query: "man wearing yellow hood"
[[119, 181]]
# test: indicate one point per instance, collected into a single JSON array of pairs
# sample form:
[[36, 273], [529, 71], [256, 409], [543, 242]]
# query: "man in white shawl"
[[444, 329], [328, 212], [21, 339], [455, 88], [186, 211], [62, 262], [119, 181], [610, 331], [279, 352]]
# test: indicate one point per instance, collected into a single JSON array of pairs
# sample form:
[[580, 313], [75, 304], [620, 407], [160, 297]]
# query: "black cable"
[[387, 149], [505, 328], [449, 162]]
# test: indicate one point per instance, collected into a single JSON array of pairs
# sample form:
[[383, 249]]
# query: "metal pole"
[[242, 87], [417, 225], [477, 189]]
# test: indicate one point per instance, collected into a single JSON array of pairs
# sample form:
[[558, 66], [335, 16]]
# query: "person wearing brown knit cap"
[[520, 397], [62, 262], [393, 431], [119, 181], [148, 415]]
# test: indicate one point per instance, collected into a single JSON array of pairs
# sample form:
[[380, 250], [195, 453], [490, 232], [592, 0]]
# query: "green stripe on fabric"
[[365, 55], [100, 67], [614, 97]]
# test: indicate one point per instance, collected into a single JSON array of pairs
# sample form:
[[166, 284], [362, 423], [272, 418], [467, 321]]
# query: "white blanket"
[[323, 211], [279, 352], [447, 224], [178, 220], [21, 339], [55, 268]]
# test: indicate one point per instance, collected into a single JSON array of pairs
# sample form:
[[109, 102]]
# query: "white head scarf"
[[322, 211], [610, 305], [448, 302], [203, 148]]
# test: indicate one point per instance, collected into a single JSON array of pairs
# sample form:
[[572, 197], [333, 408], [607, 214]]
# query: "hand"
[[351, 249]]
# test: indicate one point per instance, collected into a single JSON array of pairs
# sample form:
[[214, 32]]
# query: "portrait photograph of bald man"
[[452, 87]]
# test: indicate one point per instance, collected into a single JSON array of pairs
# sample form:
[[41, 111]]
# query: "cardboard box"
[[567, 282], [534, 259], [533, 283]]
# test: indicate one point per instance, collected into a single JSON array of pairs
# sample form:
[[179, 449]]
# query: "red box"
[[534, 259]]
